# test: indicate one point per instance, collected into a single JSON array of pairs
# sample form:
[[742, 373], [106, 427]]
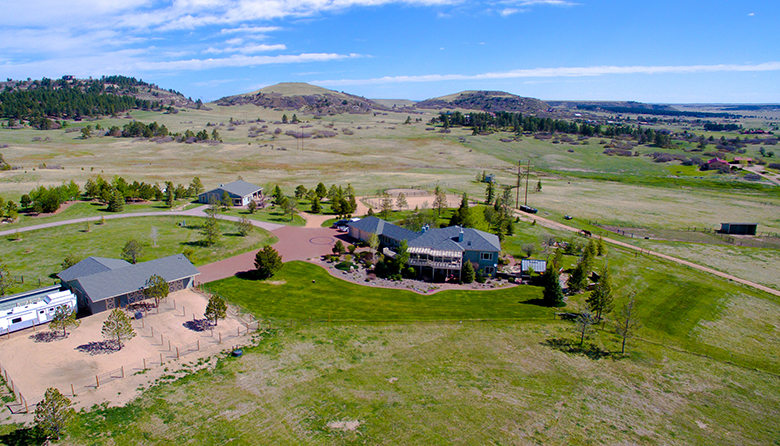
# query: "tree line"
[[58, 99], [114, 194]]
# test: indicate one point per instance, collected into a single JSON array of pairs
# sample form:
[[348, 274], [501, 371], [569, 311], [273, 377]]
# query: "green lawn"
[[81, 209], [37, 256], [443, 383], [271, 214], [301, 290]]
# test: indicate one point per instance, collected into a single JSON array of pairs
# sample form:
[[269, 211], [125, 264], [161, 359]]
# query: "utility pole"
[[527, 174], [517, 198]]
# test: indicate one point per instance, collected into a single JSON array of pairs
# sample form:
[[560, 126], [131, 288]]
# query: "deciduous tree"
[[244, 226], [132, 251], [69, 260], [400, 201], [626, 323], [210, 231], [156, 288], [251, 207], [584, 325]]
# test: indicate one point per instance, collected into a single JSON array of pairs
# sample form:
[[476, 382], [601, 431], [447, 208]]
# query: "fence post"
[[26, 409], [144, 363], [123, 372], [174, 303], [220, 337], [152, 330], [161, 361], [238, 331], [72, 390], [169, 345], [177, 352], [97, 381]]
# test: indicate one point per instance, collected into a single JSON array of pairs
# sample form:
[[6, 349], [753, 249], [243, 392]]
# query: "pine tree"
[[553, 293], [52, 413], [600, 300], [216, 309], [118, 327], [267, 262], [467, 273], [63, 318]]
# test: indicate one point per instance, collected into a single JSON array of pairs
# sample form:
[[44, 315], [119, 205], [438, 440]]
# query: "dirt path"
[[555, 225], [758, 171]]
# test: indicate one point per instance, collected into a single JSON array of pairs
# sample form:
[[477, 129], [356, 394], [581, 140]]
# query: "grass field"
[[406, 368], [39, 253], [444, 383]]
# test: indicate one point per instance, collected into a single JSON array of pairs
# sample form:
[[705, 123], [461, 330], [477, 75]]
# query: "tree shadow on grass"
[[47, 336], [198, 325], [590, 350], [23, 436], [537, 302], [98, 348], [248, 275]]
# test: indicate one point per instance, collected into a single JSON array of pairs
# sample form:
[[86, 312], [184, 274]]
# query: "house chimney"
[[460, 235]]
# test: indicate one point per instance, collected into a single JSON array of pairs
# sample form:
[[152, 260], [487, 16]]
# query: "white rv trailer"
[[34, 307]]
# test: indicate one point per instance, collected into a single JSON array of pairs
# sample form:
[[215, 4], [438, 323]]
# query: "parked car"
[[339, 223], [528, 209]]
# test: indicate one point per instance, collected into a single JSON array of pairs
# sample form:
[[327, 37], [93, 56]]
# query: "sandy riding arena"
[[86, 364]]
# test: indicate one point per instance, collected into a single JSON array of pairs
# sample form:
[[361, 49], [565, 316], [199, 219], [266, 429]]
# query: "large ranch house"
[[240, 192], [102, 284], [435, 252]]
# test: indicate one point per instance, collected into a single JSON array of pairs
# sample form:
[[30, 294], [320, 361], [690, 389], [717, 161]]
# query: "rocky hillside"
[[304, 98], [491, 101]]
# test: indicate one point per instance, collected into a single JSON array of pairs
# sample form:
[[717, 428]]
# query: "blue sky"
[[653, 51]]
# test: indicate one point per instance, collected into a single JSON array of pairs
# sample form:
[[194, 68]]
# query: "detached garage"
[[104, 284]]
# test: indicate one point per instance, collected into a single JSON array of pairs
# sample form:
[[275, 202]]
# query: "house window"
[[489, 270], [16, 320], [486, 256]]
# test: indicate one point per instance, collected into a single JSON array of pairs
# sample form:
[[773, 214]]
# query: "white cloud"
[[561, 72], [248, 49], [251, 29], [508, 11], [239, 61]]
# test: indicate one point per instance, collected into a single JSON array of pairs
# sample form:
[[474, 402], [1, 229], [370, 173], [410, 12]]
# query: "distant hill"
[[493, 101], [305, 98], [41, 101]]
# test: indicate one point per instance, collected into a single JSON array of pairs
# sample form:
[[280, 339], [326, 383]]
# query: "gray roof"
[[239, 188], [447, 239], [131, 278], [90, 266], [378, 226]]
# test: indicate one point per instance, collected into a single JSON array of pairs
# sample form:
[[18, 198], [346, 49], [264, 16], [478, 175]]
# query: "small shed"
[[739, 228]]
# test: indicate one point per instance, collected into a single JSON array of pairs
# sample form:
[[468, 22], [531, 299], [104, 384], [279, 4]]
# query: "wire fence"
[[168, 352]]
